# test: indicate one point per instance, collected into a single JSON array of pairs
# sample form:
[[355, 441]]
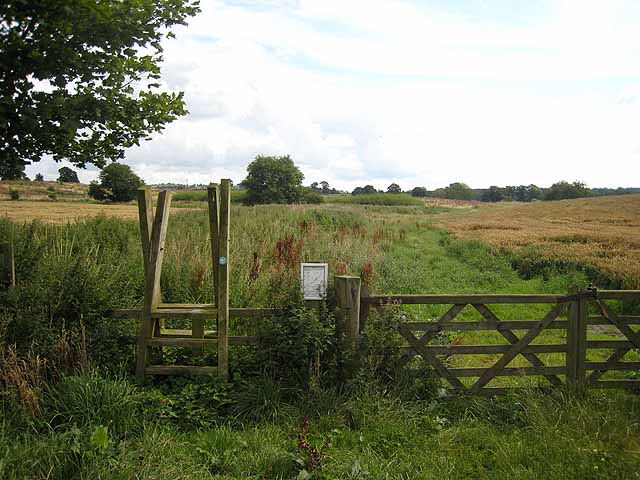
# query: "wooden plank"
[[577, 340], [213, 197], [7, 265], [463, 299], [512, 338], [618, 294], [348, 319], [194, 313], [233, 340], [600, 320], [448, 316], [432, 360], [180, 370], [610, 344], [173, 341], [488, 349], [628, 384], [516, 349], [612, 366], [152, 280], [510, 372], [211, 312], [472, 326], [223, 278]]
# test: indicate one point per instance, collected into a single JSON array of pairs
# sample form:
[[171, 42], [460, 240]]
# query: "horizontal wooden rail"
[[612, 366], [487, 349], [613, 344], [475, 299], [618, 294], [188, 341], [511, 371], [462, 325], [630, 384], [180, 370], [176, 311]]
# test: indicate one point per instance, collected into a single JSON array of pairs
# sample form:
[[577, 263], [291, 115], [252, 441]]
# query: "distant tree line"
[[511, 193]]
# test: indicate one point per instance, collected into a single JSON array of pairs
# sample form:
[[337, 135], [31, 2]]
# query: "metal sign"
[[314, 280]]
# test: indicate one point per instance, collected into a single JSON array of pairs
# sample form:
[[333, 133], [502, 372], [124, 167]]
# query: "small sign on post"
[[314, 280]]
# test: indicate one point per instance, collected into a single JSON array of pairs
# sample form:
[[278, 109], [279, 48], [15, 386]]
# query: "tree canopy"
[[118, 183], [458, 191], [394, 188], [419, 192], [273, 180], [66, 175], [79, 78], [364, 190]]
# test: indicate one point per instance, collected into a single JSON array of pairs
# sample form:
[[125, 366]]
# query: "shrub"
[[14, 194], [52, 196], [309, 196]]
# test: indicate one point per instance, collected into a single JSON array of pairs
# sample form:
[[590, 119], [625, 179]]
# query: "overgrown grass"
[[237, 196], [374, 199]]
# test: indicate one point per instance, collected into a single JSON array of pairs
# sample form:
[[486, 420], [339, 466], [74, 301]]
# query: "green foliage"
[[14, 194], [366, 190], [458, 191], [90, 400], [564, 190], [39, 177], [273, 180], [101, 61], [394, 188], [309, 196], [419, 192], [376, 199], [118, 183], [188, 403], [66, 175]]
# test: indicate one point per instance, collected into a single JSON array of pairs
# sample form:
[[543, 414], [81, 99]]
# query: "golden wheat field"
[[603, 233]]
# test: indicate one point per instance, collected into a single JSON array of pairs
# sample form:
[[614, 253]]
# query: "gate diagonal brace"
[[512, 338], [618, 355]]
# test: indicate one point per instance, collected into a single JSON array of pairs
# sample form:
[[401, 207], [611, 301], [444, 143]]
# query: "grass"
[[600, 234], [44, 191], [71, 274], [374, 199]]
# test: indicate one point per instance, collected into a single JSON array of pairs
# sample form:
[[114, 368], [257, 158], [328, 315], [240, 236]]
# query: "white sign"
[[314, 280]]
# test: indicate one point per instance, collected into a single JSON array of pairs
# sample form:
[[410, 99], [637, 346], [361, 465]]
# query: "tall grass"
[[375, 199]]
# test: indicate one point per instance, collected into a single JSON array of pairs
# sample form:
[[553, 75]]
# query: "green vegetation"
[[118, 183], [273, 180], [92, 54], [67, 175], [71, 409], [374, 199]]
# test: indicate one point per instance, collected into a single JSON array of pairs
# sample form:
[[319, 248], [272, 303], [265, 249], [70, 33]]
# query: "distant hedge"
[[375, 199]]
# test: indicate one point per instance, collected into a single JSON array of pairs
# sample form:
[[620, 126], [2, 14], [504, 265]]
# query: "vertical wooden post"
[[152, 293], [223, 266], [348, 322], [576, 356], [7, 265], [364, 308], [145, 216]]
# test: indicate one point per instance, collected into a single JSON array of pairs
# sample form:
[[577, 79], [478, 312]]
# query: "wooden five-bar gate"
[[576, 313], [153, 230]]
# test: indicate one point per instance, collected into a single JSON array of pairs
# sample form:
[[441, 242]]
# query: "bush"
[[118, 183], [14, 194], [311, 197]]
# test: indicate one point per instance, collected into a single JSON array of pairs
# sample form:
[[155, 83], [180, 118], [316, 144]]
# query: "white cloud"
[[379, 91]]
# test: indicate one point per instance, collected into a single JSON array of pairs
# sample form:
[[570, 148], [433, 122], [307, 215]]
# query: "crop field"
[[87, 417], [600, 234]]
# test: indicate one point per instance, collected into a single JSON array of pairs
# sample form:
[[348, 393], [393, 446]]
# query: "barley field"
[[601, 234]]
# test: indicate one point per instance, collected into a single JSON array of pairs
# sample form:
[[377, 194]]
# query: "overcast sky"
[[419, 93]]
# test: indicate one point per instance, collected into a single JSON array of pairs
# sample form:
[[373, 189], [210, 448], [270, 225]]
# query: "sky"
[[421, 93]]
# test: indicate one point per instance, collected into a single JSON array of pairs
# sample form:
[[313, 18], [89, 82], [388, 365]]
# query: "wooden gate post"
[[223, 267], [153, 271], [7, 265], [576, 355], [348, 322]]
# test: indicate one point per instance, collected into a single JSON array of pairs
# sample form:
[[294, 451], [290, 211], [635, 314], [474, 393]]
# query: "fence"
[[575, 307]]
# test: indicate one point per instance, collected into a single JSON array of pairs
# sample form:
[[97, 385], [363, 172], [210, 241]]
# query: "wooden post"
[[348, 322], [576, 356], [152, 293], [223, 267], [7, 265], [364, 308]]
